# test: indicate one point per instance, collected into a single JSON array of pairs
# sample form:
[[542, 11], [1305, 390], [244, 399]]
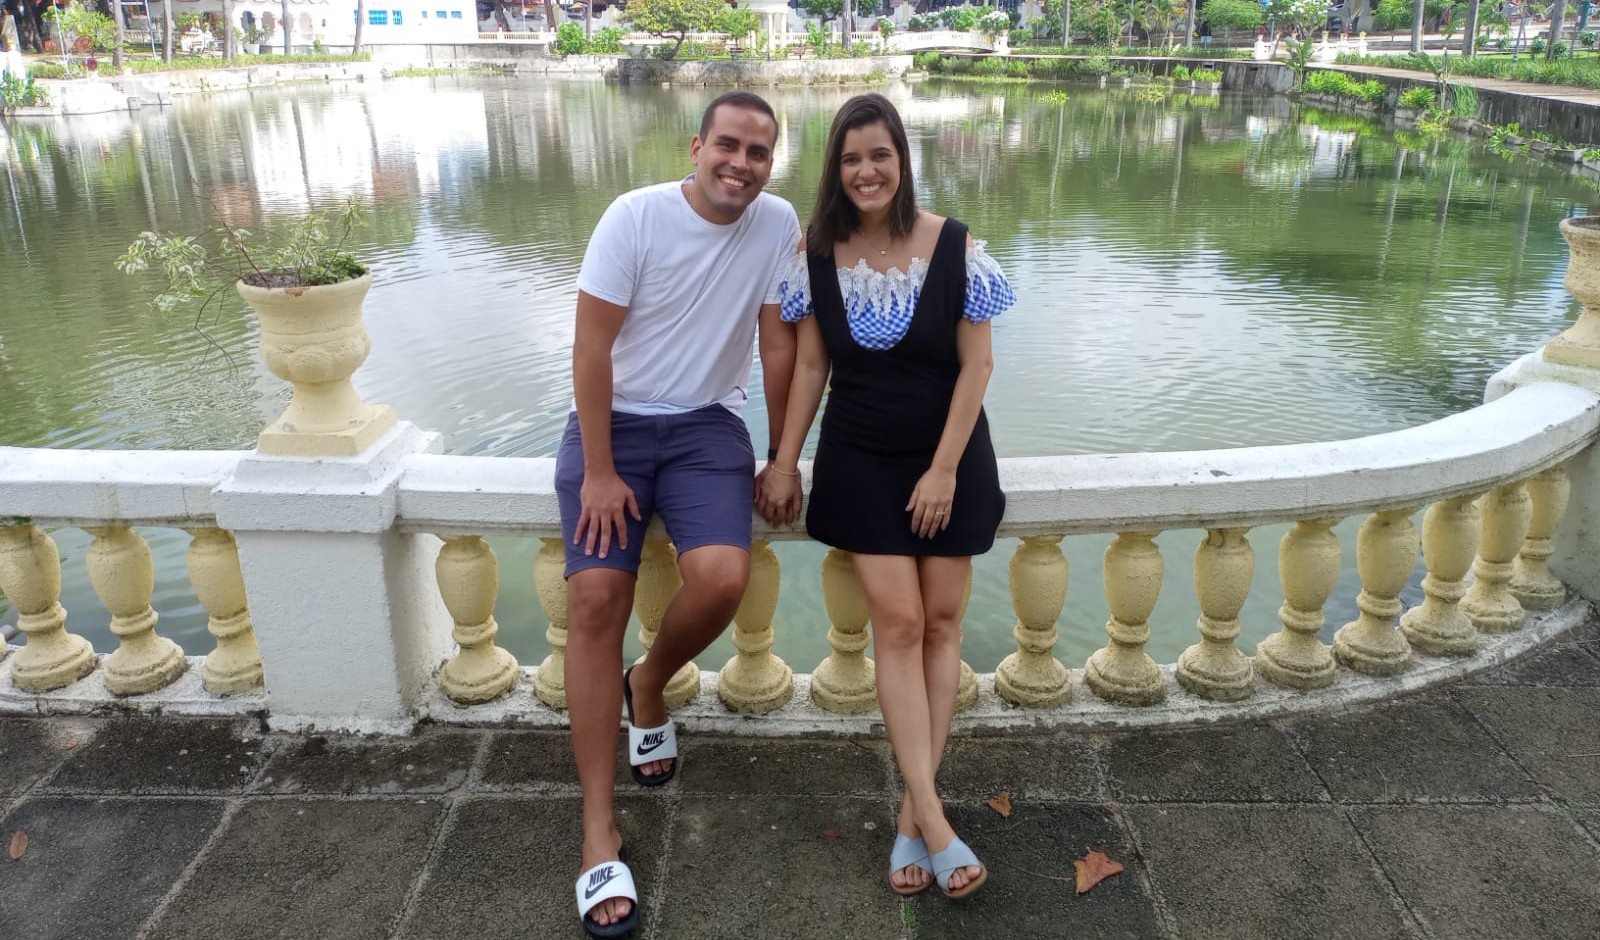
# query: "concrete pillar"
[[347, 613]]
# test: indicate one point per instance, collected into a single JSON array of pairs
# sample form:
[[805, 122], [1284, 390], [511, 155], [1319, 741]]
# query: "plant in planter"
[[307, 288]]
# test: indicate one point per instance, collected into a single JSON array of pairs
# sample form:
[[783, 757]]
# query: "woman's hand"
[[931, 500], [778, 496]]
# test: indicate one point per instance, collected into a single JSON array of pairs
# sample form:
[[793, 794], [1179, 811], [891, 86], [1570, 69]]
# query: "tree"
[[1230, 15], [824, 10], [1558, 21], [286, 27], [116, 16], [361, 16], [1297, 16], [1469, 36], [166, 31], [737, 23], [674, 19]]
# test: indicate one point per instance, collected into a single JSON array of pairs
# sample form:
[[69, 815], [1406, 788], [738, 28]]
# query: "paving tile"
[[1489, 872], [817, 767], [1264, 871], [1047, 767], [96, 869], [1031, 890], [1568, 662], [1244, 763], [506, 867], [431, 763], [1554, 733], [1425, 749], [164, 755], [289, 869], [541, 761], [779, 866], [30, 747]]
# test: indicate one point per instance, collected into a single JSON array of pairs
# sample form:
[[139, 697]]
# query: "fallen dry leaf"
[[1001, 803], [1094, 868], [831, 832], [19, 845]]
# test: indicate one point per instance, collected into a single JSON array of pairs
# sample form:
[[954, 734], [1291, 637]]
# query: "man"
[[673, 284]]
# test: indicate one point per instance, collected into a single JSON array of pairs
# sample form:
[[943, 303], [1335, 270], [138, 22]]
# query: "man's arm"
[[604, 496], [777, 346]]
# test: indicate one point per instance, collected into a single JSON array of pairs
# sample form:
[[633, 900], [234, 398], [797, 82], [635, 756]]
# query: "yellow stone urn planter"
[[314, 339], [1580, 344]]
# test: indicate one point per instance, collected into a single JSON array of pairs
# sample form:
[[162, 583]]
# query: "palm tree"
[[361, 18]]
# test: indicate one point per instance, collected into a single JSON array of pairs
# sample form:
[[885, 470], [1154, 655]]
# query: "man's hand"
[[604, 498]]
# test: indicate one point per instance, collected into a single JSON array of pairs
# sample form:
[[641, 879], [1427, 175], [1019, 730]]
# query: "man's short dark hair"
[[750, 101]]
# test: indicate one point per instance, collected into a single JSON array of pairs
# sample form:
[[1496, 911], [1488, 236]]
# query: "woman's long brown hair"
[[835, 216]]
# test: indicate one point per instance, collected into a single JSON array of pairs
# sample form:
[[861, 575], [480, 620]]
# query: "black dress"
[[886, 412]]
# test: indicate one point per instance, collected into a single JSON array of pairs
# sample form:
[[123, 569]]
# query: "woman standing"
[[893, 307]]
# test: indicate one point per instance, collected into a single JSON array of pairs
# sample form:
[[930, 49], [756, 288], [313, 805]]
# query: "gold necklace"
[[881, 251]]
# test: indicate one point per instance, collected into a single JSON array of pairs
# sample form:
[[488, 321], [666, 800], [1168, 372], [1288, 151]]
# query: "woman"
[[905, 476]]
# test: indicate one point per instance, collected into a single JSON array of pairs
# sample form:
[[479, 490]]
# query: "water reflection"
[[1194, 273]]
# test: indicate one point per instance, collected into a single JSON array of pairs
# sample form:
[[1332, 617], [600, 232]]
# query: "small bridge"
[[942, 39]]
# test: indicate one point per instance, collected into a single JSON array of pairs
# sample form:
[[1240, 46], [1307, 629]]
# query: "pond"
[[1193, 273]]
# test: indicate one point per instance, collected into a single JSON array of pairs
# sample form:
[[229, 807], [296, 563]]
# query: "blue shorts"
[[696, 470]]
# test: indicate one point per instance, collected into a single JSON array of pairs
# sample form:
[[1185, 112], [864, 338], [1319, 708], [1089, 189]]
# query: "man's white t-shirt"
[[693, 290]]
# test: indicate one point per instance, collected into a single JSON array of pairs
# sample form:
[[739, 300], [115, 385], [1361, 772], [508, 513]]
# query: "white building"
[[333, 22]]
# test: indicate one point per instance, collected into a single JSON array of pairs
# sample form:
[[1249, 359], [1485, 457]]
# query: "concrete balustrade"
[[1489, 539]]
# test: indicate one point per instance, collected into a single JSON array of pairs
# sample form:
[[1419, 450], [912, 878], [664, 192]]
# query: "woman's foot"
[[938, 835], [916, 876], [598, 850]]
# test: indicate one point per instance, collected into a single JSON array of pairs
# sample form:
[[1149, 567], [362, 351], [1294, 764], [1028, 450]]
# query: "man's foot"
[[910, 878], [598, 851], [648, 712]]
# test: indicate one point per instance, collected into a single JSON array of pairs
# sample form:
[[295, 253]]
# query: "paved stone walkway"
[[1468, 812]]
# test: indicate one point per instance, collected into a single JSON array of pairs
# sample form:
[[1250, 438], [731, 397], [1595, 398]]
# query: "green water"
[[1190, 274]]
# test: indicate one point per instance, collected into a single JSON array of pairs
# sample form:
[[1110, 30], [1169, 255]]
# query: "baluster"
[[1214, 668], [1308, 568], [1121, 671], [844, 682], [1032, 676], [1507, 510], [214, 572], [1449, 542], [469, 581], [754, 681], [1386, 551], [549, 580], [967, 684], [30, 575], [124, 578], [1531, 582], [658, 583]]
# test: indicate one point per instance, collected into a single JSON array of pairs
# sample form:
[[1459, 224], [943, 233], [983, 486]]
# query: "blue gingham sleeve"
[[989, 294], [794, 289]]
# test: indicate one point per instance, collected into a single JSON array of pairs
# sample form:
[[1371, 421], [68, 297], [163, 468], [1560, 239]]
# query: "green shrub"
[[1588, 37], [1095, 65], [926, 61], [885, 27], [1418, 98], [1017, 69], [1180, 72], [1539, 46], [569, 40], [21, 93], [607, 41], [990, 66], [1370, 91], [1327, 83], [1206, 75]]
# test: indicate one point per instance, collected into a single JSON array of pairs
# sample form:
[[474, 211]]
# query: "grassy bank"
[[140, 65], [1584, 72]]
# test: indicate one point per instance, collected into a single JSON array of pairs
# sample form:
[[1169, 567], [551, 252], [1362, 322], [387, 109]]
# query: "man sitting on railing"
[[673, 283]]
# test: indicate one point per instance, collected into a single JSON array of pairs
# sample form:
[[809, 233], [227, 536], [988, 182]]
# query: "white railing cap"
[[1526, 431], [136, 487]]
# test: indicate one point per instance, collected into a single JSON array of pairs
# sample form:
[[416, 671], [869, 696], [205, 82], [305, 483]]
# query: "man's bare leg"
[[714, 579], [598, 603]]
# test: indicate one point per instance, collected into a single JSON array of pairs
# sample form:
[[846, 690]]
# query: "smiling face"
[[869, 168], [733, 161]]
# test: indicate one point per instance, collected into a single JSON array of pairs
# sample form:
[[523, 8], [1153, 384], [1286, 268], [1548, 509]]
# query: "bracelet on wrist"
[[787, 473]]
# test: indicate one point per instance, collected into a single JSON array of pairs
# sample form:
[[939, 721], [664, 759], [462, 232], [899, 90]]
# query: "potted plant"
[[306, 288]]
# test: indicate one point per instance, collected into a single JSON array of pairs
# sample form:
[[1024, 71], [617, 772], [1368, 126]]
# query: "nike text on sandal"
[[908, 853], [956, 855], [648, 745], [601, 883]]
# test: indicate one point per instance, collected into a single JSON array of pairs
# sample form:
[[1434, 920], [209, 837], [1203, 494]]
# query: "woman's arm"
[[781, 487], [935, 492]]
